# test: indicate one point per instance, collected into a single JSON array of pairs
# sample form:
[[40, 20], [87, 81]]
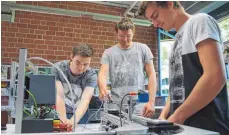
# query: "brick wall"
[[53, 36]]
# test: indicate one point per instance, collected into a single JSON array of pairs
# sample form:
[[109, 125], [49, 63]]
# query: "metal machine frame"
[[132, 125]]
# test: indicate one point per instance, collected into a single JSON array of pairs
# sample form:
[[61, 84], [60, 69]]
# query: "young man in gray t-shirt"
[[82, 79], [197, 82], [126, 62]]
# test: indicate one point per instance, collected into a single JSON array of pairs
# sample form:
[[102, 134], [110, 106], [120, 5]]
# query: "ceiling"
[[217, 9], [192, 7]]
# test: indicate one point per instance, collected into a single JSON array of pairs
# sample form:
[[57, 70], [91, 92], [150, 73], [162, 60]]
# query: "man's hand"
[[176, 119], [67, 124], [103, 94], [148, 110], [161, 117]]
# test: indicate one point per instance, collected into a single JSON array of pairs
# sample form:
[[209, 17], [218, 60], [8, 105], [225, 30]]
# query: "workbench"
[[95, 129]]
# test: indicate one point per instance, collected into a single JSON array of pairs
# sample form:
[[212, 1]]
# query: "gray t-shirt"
[[78, 82], [126, 68]]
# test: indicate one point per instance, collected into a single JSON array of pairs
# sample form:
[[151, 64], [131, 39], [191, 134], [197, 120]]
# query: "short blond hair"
[[125, 24]]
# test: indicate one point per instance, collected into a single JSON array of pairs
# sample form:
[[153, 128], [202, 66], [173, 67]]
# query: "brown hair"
[[125, 24], [163, 4], [84, 50]]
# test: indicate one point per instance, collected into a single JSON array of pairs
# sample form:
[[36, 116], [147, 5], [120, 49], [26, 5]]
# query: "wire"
[[35, 103], [120, 111], [50, 109], [92, 115], [121, 108], [26, 113], [70, 88]]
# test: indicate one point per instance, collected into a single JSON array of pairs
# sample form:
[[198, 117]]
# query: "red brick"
[[35, 22], [32, 26], [3, 39], [14, 55], [70, 34], [27, 40], [60, 48], [25, 21], [85, 35], [60, 33], [42, 46], [11, 50], [50, 52], [7, 24], [6, 60], [102, 37], [43, 23], [54, 5], [77, 39], [38, 41], [59, 53], [72, 8], [62, 57], [48, 37], [59, 43], [19, 25], [94, 36], [78, 30], [60, 24], [10, 39], [10, 34], [20, 40], [50, 32], [11, 30], [66, 39], [39, 32], [51, 57], [31, 31], [31, 36], [49, 42], [48, 18], [43, 27], [96, 32], [58, 38], [68, 29], [23, 30], [92, 41], [39, 36], [38, 51], [52, 47], [67, 48]]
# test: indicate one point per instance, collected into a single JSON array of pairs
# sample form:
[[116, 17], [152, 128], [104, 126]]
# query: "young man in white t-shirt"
[[198, 92]]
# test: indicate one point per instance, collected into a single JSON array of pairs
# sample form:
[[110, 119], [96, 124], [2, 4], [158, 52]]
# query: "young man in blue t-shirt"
[[83, 81]]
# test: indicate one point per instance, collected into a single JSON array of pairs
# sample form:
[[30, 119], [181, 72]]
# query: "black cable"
[[91, 116], [121, 108], [50, 109]]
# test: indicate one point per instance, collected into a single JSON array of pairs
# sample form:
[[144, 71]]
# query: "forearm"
[[102, 82], [81, 109], [166, 109], [84, 103], [60, 102], [203, 93], [60, 107], [152, 88]]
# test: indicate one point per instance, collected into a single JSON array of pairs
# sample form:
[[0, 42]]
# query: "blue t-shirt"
[[78, 82]]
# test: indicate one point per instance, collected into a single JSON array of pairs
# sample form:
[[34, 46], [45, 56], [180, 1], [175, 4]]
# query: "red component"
[[54, 107], [133, 93]]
